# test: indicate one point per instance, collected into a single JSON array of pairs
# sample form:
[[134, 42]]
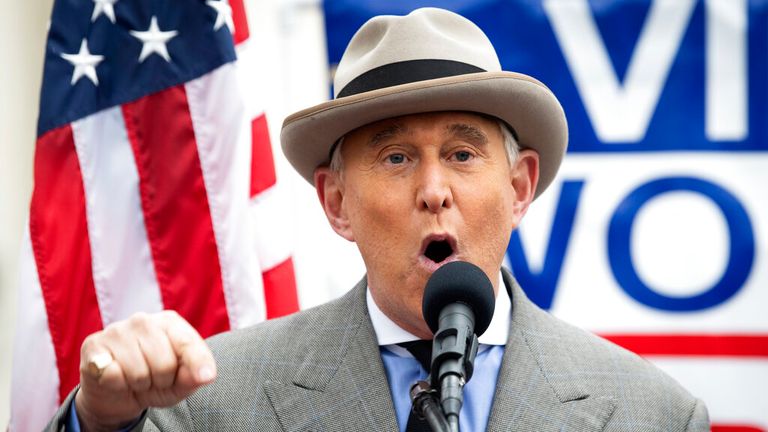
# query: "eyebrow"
[[389, 132], [469, 133], [463, 131]]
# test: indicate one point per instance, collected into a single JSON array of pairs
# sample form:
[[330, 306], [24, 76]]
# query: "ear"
[[524, 177], [330, 191]]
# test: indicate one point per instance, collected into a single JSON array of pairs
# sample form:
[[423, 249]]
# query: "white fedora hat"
[[429, 60]]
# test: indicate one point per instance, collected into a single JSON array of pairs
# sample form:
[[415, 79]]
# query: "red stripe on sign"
[[176, 211], [59, 233], [240, 19], [280, 290], [262, 163], [735, 428], [694, 345]]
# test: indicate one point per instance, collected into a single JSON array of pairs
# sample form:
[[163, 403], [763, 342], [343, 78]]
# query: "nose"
[[434, 190]]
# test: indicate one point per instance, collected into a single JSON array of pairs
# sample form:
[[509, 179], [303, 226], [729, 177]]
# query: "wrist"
[[90, 422]]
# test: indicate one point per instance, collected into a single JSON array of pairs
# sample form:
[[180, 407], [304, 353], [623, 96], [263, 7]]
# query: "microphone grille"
[[463, 282]]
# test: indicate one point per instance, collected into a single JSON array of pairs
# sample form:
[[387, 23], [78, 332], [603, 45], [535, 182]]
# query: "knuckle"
[[84, 369], [141, 381], [140, 316], [170, 314], [140, 321], [182, 339], [88, 343], [113, 331]]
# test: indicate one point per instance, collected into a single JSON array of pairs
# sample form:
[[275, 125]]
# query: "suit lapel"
[[531, 393], [341, 384]]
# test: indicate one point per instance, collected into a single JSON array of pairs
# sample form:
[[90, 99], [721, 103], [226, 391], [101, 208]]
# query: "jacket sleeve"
[[61, 420], [699, 420]]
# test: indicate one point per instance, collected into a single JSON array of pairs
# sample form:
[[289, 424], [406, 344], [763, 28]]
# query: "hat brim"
[[521, 101]]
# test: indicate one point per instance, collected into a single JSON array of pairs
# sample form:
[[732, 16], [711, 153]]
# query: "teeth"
[[438, 251]]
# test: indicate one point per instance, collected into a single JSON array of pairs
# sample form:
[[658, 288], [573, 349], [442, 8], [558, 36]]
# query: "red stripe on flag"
[[262, 163], [728, 345], [735, 428], [176, 211], [59, 233], [280, 290], [240, 19]]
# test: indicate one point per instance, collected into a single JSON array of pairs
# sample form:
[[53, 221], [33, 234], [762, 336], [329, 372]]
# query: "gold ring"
[[97, 363]]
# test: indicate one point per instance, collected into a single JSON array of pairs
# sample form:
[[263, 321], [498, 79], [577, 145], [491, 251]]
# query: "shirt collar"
[[389, 333]]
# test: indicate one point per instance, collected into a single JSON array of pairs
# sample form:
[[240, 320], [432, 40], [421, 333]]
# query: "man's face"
[[419, 191]]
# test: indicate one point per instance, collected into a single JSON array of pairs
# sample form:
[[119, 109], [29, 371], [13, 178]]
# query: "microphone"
[[458, 305]]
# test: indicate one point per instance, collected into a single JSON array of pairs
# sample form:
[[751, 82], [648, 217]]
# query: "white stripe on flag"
[[249, 62], [223, 138], [272, 238], [35, 377], [123, 270]]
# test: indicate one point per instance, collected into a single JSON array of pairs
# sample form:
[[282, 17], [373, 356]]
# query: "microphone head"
[[463, 282]]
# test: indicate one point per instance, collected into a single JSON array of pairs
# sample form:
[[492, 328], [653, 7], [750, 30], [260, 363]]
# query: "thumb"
[[197, 366]]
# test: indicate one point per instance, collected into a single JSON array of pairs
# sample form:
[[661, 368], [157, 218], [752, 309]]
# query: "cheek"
[[491, 218], [377, 218], [374, 209]]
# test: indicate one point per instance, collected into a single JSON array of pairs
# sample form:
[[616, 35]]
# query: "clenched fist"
[[145, 361]]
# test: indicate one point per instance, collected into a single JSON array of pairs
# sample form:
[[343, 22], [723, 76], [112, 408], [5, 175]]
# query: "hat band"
[[405, 72]]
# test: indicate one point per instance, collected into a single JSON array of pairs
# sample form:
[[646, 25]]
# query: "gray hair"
[[510, 145]]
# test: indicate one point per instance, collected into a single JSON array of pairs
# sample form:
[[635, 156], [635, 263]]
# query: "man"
[[428, 154]]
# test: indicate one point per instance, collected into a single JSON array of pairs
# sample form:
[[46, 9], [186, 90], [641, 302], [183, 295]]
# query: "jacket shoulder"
[[289, 337], [577, 361]]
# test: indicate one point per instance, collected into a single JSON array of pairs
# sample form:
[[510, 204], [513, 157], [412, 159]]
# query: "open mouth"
[[438, 250]]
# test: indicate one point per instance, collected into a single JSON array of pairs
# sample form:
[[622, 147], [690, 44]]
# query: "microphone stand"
[[425, 405], [453, 354], [458, 300]]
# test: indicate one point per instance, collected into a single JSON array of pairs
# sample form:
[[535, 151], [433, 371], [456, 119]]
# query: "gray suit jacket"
[[320, 370]]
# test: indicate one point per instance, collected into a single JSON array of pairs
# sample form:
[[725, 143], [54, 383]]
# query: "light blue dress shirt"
[[403, 370], [73, 423]]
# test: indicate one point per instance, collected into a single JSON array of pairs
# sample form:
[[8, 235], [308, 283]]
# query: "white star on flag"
[[105, 7], [223, 14], [154, 40], [85, 63]]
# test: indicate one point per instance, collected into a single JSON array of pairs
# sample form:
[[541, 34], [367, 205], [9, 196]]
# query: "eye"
[[462, 156], [396, 158]]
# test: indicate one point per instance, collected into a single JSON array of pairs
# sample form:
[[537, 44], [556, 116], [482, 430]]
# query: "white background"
[[22, 39]]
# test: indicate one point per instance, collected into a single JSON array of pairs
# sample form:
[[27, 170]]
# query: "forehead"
[[475, 127]]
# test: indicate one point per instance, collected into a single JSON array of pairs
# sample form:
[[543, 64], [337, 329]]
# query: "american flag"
[[155, 186]]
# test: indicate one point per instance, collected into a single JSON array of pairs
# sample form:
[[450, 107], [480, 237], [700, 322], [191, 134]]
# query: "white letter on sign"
[[726, 70], [619, 113]]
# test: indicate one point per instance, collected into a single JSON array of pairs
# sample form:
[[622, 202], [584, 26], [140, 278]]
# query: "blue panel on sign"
[[632, 76]]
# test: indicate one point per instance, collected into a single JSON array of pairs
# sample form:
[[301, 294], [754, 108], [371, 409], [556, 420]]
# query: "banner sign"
[[655, 234]]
